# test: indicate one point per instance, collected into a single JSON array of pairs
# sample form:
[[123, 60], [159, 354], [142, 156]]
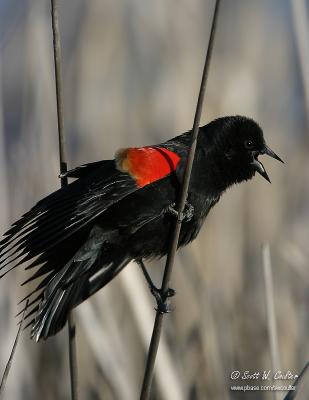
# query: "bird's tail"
[[53, 310], [81, 277]]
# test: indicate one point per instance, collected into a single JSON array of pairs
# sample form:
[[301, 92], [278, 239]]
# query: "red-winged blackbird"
[[84, 234]]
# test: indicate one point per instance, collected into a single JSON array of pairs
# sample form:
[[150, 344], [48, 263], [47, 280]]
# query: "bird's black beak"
[[258, 166], [272, 154]]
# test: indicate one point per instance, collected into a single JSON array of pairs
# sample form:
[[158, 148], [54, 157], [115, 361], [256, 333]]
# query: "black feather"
[[81, 236]]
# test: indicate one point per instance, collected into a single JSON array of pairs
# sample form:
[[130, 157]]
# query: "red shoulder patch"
[[147, 164]]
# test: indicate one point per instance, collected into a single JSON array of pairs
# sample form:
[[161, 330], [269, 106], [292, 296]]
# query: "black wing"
[[43, 231], [63, 213], [85, 169]]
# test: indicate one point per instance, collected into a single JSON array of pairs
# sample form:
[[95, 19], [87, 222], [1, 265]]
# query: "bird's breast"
[[202, 204]]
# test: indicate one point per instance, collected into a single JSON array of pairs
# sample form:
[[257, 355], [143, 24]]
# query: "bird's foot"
[[162, 299], [186, 215]]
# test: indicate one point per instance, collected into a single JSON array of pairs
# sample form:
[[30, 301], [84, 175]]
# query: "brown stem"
[[64, 181], [156, 334]]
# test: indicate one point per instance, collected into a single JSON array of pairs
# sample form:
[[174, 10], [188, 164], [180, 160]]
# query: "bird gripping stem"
[[155, 338]]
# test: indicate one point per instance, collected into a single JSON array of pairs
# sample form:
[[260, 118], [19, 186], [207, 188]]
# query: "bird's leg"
[[187, 213], [163, 305]]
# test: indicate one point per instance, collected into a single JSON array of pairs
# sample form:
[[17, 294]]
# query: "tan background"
[[131, 72]]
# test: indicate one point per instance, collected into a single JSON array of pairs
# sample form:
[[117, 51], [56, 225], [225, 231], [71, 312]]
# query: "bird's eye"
[[249, 144]]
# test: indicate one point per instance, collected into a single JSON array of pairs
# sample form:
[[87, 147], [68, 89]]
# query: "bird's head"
[[238, 142]]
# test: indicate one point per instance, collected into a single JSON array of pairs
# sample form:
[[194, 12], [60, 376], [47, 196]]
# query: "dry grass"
[[131, 76]]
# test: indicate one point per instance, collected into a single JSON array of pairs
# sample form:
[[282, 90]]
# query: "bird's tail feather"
[[69, 287]]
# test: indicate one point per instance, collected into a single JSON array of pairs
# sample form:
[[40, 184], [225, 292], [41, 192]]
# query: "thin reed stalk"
[[271, 315], [64, 181], [301, 33], [299, 385], [156, 334], [10, 360]]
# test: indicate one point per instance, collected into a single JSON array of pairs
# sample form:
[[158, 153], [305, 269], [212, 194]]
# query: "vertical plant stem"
[[59, 86], [72, 356], [64, 181], [271, 316], [156, 334], [10, 360], [299, 385], [301, 32]]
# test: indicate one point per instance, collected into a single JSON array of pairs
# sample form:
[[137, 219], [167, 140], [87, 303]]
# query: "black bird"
[[84, 234]]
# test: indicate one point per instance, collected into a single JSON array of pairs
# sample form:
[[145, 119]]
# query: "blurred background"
[[131, 72]]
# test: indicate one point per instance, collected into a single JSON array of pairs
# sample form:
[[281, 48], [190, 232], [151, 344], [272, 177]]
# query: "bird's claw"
[[162, 299], [186, 215], [163, 304]]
